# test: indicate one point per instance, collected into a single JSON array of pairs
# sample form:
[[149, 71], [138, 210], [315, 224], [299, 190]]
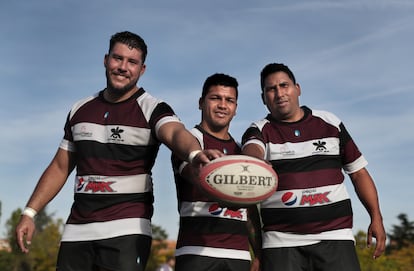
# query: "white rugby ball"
[[238, 180]]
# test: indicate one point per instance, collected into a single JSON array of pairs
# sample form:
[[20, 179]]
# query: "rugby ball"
[[238, 180]]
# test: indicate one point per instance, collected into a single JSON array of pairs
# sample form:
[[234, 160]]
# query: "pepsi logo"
[[80, 185], [289, 198], [215, 209]]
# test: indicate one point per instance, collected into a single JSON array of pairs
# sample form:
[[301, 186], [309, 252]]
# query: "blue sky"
[[353, 58]]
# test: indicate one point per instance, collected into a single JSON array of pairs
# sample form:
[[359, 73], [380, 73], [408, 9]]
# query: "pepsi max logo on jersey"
[[311, 199], [289, 198], [217, 210], [94, 186]]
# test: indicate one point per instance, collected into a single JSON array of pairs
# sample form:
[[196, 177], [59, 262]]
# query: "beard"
[[119, 91]]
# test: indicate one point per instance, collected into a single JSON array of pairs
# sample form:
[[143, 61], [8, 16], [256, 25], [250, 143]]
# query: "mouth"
[[220, 114], [281, 103], [120, 76]]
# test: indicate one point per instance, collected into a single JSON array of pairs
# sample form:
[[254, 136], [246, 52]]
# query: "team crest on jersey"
[[320, 146], [116, 134], [92, 185]]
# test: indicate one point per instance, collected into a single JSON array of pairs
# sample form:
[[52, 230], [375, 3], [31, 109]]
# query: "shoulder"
[[147, 100], [327, 116], [196, 132], [82, 102], [154, 108], [259, 124]]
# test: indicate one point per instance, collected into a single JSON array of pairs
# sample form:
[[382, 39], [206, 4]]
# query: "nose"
[[279, 92], [222, 103], [122, 65]]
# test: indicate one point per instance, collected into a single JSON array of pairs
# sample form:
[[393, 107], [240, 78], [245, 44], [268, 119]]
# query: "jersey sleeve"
[[253, 135]]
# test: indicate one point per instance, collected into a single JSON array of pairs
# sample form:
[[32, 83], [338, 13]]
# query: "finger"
[[379, 248], [29, 237], [378, 252], [369, 239], [20, 241]]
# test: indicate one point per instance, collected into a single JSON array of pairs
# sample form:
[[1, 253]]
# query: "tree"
[[159, 245], [404, 257], [6, 261], [366, 261], [45, 246], [401, 235], [19, 261], [45, 243]]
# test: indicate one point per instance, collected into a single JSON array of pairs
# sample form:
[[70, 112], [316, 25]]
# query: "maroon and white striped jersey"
[[311, 202], [115, 146], [206, 228]]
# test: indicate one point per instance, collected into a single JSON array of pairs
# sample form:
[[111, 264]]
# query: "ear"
[[298, 88], [105, 59], [263, 98], [200, 103], [144, 67]]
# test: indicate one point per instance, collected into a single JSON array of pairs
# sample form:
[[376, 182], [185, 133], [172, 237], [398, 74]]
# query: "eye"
[[134, 61], [272, 88], [231, 100], [284, 85], [214, 98], [116, 57]]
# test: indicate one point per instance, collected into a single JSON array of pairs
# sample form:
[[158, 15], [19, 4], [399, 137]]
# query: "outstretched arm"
[[49, 184], [367, 193], [253, 150], [185, 145]]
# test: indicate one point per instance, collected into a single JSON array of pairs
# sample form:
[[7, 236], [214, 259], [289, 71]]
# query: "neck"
[[297, 116], [116, 96], [221, 133]]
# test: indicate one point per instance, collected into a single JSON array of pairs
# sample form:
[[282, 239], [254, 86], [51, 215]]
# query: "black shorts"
[[124, 253], [324, 256], [203, 263]]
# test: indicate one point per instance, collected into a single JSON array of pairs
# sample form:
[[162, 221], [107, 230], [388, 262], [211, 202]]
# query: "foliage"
[[159, 246], [404, 257], [401, 235], [365, 255], [399, 254], [44, 248], [45, 245], [6, 261]]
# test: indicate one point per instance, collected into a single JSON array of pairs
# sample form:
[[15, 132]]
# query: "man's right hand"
[[24, 233]]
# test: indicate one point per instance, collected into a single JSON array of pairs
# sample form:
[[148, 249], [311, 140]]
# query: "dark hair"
[[275, 67], [130, 39], [219, 79]]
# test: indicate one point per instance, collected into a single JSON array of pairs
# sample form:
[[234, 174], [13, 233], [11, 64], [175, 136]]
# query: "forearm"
[[178, 139], [367, 192], [46, 189], [253, 150], [52, 180]]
